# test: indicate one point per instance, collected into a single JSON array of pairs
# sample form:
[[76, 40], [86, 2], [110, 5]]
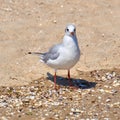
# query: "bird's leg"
[[70, 83], [55, 80]]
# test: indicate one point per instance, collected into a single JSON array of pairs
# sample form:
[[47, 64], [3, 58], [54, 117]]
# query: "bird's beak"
[[72, 33]]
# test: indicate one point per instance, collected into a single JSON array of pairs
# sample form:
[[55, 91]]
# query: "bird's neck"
[[70, 40]]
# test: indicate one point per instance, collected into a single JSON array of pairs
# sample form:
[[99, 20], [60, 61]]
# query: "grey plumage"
[[51, 54]]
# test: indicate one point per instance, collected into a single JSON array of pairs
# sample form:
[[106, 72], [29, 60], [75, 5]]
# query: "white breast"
[[69, 55]]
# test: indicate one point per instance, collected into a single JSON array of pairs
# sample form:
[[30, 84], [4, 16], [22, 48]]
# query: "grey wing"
[[51, 54]]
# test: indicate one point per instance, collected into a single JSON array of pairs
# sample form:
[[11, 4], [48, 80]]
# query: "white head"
[[70, 30]]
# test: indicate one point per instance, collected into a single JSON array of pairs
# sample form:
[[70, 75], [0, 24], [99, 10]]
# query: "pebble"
[[46, 114], [116, 83], [55, 103], [3, 118], [61, 6], [113, 74], [102, 90], [71, 113], [54, 21], [38, 100], [32, 97], [110, 75], [108, 100], [75, 110], [117, 104], [3, 104], [72, 109], [36, 82], [104, 78], [106, 119], [114, 91], [99, 97]]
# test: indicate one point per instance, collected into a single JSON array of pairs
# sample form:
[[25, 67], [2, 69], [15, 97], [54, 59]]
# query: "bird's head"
[[70, 30]]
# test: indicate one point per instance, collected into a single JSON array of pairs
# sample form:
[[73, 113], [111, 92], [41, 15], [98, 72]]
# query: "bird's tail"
[[39, 54], [35, 53]]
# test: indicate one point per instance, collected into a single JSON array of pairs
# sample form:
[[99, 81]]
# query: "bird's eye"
[[67, 29], [74, 30]]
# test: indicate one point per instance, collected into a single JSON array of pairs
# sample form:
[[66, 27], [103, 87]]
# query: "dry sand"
[[36, 25]]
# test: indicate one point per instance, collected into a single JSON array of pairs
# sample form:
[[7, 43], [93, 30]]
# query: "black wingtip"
[[29, 52], [34, 53]]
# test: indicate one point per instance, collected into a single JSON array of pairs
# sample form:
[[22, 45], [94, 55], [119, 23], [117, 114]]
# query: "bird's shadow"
[[80, 83]]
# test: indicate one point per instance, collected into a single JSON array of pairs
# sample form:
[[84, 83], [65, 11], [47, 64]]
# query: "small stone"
[[116, 83], [99, 97], [108, 91], [32, 97], [71, 113], [61, 6], [11, 113], [106, 119], [54, 21], [77, 110], [55, 103], [46, 114], [101, 90], [104, 78], [36, 82], [3, 104], [108, 100], [114, 91], [103, 35], [113, 74], [109, 76], [72, 109], [3, 118], [56, 115], [40, 24], [116, 105]]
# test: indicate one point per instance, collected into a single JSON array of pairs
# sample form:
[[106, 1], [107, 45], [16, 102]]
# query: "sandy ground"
[[36, 25], [96, 97]]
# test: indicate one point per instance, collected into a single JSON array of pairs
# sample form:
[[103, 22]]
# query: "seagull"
[[64, 55]]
